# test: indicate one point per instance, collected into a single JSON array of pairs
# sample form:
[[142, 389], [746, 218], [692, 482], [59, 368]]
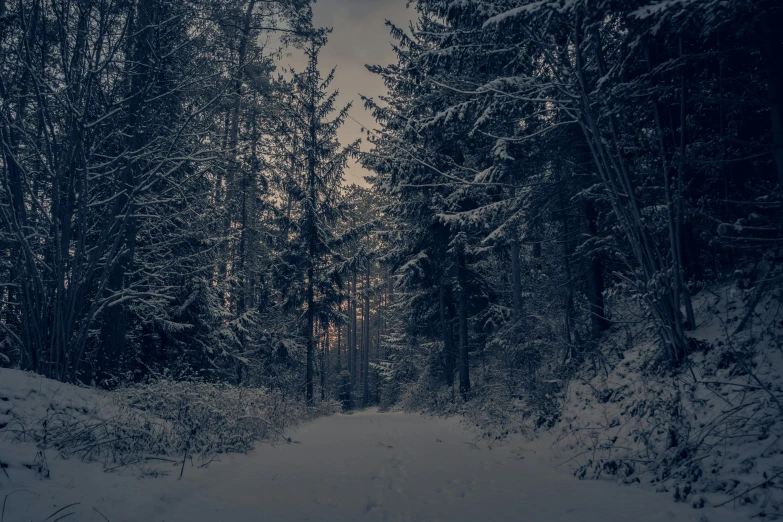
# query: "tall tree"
[[314, 120]]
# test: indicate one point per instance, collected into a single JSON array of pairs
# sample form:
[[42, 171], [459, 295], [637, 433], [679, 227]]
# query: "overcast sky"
[[359, 37]]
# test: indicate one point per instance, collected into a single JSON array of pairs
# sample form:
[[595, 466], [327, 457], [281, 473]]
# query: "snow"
[[396, 466], [366, 466], [656, 8], [32, 395], [726, 426], [512, 13]]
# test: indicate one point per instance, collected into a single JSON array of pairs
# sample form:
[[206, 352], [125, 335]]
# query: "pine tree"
[[316, 189]]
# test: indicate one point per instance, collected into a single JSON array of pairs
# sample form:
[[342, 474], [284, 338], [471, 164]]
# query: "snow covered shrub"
[[518, 388], [406, 361], [77, 422], [164, 420], [205, 419], [425, 391]]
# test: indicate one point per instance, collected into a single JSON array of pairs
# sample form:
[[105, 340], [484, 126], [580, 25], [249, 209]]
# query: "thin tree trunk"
[[237, 102], [516, 277], [378, 349], [367, 338], [327, 359], [309, 334], [311, 227], [569, 301], [773, 50], [324, 351], [236, 303], [464, 370], [686, 294], [352, 344], [611, 166], [339, 327], [379, 325], [445, 327], [595, 277]]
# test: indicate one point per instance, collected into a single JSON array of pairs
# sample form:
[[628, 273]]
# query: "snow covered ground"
[[366, 466]]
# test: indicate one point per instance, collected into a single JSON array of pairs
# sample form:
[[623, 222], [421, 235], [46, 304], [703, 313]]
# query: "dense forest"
[[552, 165], [550, 184]]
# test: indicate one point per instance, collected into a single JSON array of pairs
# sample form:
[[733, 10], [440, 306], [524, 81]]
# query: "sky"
[[359, 37]]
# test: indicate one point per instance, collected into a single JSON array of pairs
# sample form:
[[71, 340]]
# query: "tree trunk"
[[367, 339], [464, 371], [237, 102], [569, 298], [248, 225], [327, 357], [309, 334], [339, 327], [686, 294], [445, 327], [773, 50], [311, 220], [516, 277], [324, 360], [378, 353], [352, 344], [115, 317], [595, 277]]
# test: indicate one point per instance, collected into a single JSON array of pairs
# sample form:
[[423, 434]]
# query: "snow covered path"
[[367, 466]]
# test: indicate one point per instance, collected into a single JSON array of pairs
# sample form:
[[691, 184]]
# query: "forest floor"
[[365, 466]]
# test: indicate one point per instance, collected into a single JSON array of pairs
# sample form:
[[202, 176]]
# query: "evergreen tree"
[[315, 189]]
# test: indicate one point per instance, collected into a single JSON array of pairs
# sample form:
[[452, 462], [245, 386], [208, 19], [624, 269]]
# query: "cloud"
[[359, 37]]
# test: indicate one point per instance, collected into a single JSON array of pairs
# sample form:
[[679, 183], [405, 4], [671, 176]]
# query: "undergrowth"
[[165, 421]]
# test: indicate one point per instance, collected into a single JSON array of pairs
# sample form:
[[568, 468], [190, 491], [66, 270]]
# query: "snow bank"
[[38, 411], [708, 433], [132, 425], [152, 429]]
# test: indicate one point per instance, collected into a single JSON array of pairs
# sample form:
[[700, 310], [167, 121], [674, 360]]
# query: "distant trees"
[[360, 248]]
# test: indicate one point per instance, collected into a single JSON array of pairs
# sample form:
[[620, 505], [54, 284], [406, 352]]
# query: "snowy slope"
[[61, 444], [706, 434], [32, 408]]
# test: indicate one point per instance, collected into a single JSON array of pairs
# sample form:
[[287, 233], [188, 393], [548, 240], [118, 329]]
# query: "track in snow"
[[374, 467]]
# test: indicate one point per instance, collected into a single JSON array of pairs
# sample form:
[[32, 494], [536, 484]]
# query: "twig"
[[752, 488], [731, 384], [747, 369], [574, 457], [63, 509], [2, 514], [159, 458], [64, 516], [101, 514], [762, 287], [187, 447]]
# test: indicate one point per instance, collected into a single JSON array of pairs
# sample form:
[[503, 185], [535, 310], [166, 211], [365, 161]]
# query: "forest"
[[570, 223]]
